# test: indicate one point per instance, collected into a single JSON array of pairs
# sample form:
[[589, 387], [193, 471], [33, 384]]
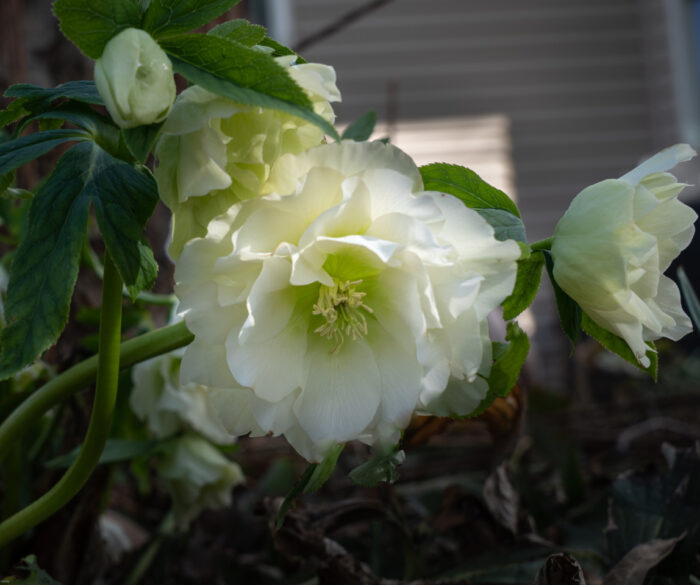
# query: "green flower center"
[[342, 308]]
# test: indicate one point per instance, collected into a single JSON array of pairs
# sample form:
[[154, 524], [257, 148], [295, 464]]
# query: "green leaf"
[[115, 451], [13, 112], [649, 505], [45, 266], [314, 476], [140, 140], [173, 17], [690, 298], [506, 226], [467, 186], [509, 359], [293, 494], [378, 469], [324, 470], [527, 284], [79, 91], [241, 74], [241, 31], [15, 153], [619, 346], [279, 50], [568, 309], [89, 25], [79, 114], [32, 100], [362, 128], [6, 181], [37, 576]]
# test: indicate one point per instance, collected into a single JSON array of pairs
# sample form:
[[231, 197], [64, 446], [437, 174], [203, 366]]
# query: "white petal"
[[341, 392], [660, 162]]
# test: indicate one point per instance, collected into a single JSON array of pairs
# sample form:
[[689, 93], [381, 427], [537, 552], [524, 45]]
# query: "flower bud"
[[135, 79], [169, 407], [197, 476], [613, 245]]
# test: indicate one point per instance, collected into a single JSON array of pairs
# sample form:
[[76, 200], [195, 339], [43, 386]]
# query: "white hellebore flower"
[[197, 476], [613, 245], [169, 407], [134, 76], [336, 307], [214, 152]]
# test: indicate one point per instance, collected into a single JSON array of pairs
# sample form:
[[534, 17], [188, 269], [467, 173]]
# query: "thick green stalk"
[[76, 378], [100, 419], [545, 244]]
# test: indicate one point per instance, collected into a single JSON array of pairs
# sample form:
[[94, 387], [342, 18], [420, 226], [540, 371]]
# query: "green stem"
[[148, 556], [545, 244], [100, 419], [80, 375]]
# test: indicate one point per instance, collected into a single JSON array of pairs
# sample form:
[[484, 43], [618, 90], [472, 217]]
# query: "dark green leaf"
[[173, 17], [15, 153], [241, 74], [14, 193], [294, 493], [323, 471], [527, 284], [79, 91], [6, 181], [378, 469], [12, 113], [569, 311], [508, 361], [467, 186], [619, 346], [79, 114], [240, 31], [140, 140], [315, 475], [362, 128], [115, 451], [658, 505], [691, 299], [90, 25], [37, 576], [124, 199], [279, 50], [506, 226], [50, 124], [45, 267]]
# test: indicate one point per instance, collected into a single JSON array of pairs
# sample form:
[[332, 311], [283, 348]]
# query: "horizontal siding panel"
[[570, 92]]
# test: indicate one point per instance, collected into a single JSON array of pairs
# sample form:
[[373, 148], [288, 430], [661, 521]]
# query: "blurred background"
[[540, 98]]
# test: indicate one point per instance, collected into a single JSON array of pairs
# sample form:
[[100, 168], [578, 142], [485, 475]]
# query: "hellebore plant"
[[330, 289]]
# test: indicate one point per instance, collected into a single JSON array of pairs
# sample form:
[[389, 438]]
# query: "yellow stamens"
[[340, 305]]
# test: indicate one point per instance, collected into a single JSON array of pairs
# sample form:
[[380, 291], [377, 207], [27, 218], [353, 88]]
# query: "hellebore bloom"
[[214, 152], [135, 79], [169, 407], [339, 305], [614, 243], [197, 476]]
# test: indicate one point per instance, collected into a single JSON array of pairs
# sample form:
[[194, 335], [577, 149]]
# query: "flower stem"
[[100, 419], [545, 244], [80, 375]]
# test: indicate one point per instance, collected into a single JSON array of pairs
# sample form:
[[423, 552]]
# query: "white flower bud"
[[197, 476], [613, 245], [135, 79]]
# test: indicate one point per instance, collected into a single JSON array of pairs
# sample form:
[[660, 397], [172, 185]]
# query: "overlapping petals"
[[613, 245], [337, 306], [214, 152]]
